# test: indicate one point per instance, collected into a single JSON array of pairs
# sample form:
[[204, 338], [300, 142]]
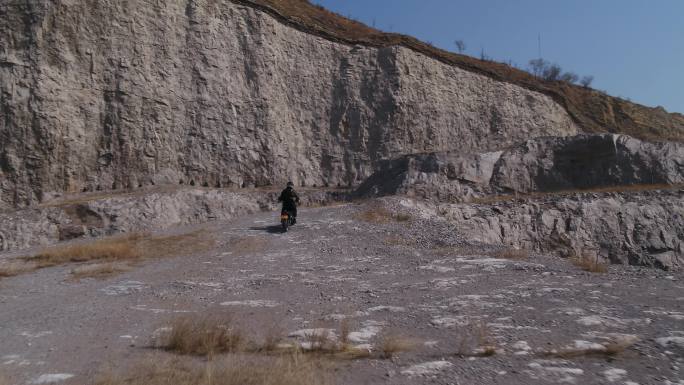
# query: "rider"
[[290, 200]]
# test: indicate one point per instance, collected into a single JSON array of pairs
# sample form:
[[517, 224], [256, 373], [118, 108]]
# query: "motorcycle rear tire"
[[284, 225]]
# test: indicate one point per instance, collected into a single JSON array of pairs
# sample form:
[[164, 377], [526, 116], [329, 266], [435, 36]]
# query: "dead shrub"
[[163, 246], [610, 349], [345, 328], [273, 337], [345, 349], [110, 249], [292, 370], [378, 214], [391, 343], [513, 254], [204, 336], [12, 268], [401, 217], [588, 261], [99, 270], [399, 241], [109, 254], [321, 341], [248, 245], [474, 339]]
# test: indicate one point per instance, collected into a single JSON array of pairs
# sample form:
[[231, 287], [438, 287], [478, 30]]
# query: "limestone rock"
[[645, 228], [537, 165], [111, 95], [148, 210]]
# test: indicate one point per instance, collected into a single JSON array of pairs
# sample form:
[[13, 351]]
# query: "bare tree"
[[484, 56], [552, 72], [569, 77], [460, 45], [586, 81], [537, 67]]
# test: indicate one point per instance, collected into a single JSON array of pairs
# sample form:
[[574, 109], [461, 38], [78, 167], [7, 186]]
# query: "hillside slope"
[[594, 111]]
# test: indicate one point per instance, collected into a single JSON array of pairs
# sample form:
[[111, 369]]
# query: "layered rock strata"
[[542, 164], [644, 228], [118, 95]]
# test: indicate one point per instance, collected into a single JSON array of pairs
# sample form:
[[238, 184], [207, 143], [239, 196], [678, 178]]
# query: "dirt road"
[[475, 319]]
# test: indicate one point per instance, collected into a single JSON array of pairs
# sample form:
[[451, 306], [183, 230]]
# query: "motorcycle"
[[286, 220]]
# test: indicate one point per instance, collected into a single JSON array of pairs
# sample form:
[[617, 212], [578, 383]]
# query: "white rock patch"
[[599, 320], [521, 347], [314, 333], [252, 303], [427, 368], [52, 378], [35, 335], [563, 375], [668, 342], [449, 321], [124, 288], [369, 330], [586, 345], [391, 309], [570, 311], [614, 374]]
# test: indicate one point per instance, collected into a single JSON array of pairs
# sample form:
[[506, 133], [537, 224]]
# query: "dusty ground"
[[411, 277]]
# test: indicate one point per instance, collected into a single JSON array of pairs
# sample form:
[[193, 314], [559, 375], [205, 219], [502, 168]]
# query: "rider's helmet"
[[290, 184]]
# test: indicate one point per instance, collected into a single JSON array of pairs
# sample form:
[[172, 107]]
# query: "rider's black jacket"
[[289, 198]]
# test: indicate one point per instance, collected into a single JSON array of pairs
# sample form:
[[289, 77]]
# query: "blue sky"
[[633, 48]]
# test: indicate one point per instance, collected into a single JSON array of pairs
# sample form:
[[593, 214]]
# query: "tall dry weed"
[[205, 336]]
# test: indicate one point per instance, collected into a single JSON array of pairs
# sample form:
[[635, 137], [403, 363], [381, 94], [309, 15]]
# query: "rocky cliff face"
[[113, 95], [543, 164], [642, 228], [149, 209]]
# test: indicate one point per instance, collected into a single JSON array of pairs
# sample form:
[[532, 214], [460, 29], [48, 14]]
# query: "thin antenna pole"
[[540, 50]]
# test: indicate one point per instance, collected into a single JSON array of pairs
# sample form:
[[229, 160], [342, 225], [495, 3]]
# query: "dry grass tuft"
[[375, 215], [174, 245], [514, 254], [379, 214], [610, 349], [248, 245], [390, 344], [589, 262], [204, 336], [321, 341], [293, 370], [399, 241], [119, 248], [344, 329], [99, 270], [475, 339], [273, 337], [401, 217], [12, 268], [108, 255], [345, 349]]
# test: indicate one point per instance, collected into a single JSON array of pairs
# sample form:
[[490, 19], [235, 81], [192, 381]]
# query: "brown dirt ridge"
[[594, 111]]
